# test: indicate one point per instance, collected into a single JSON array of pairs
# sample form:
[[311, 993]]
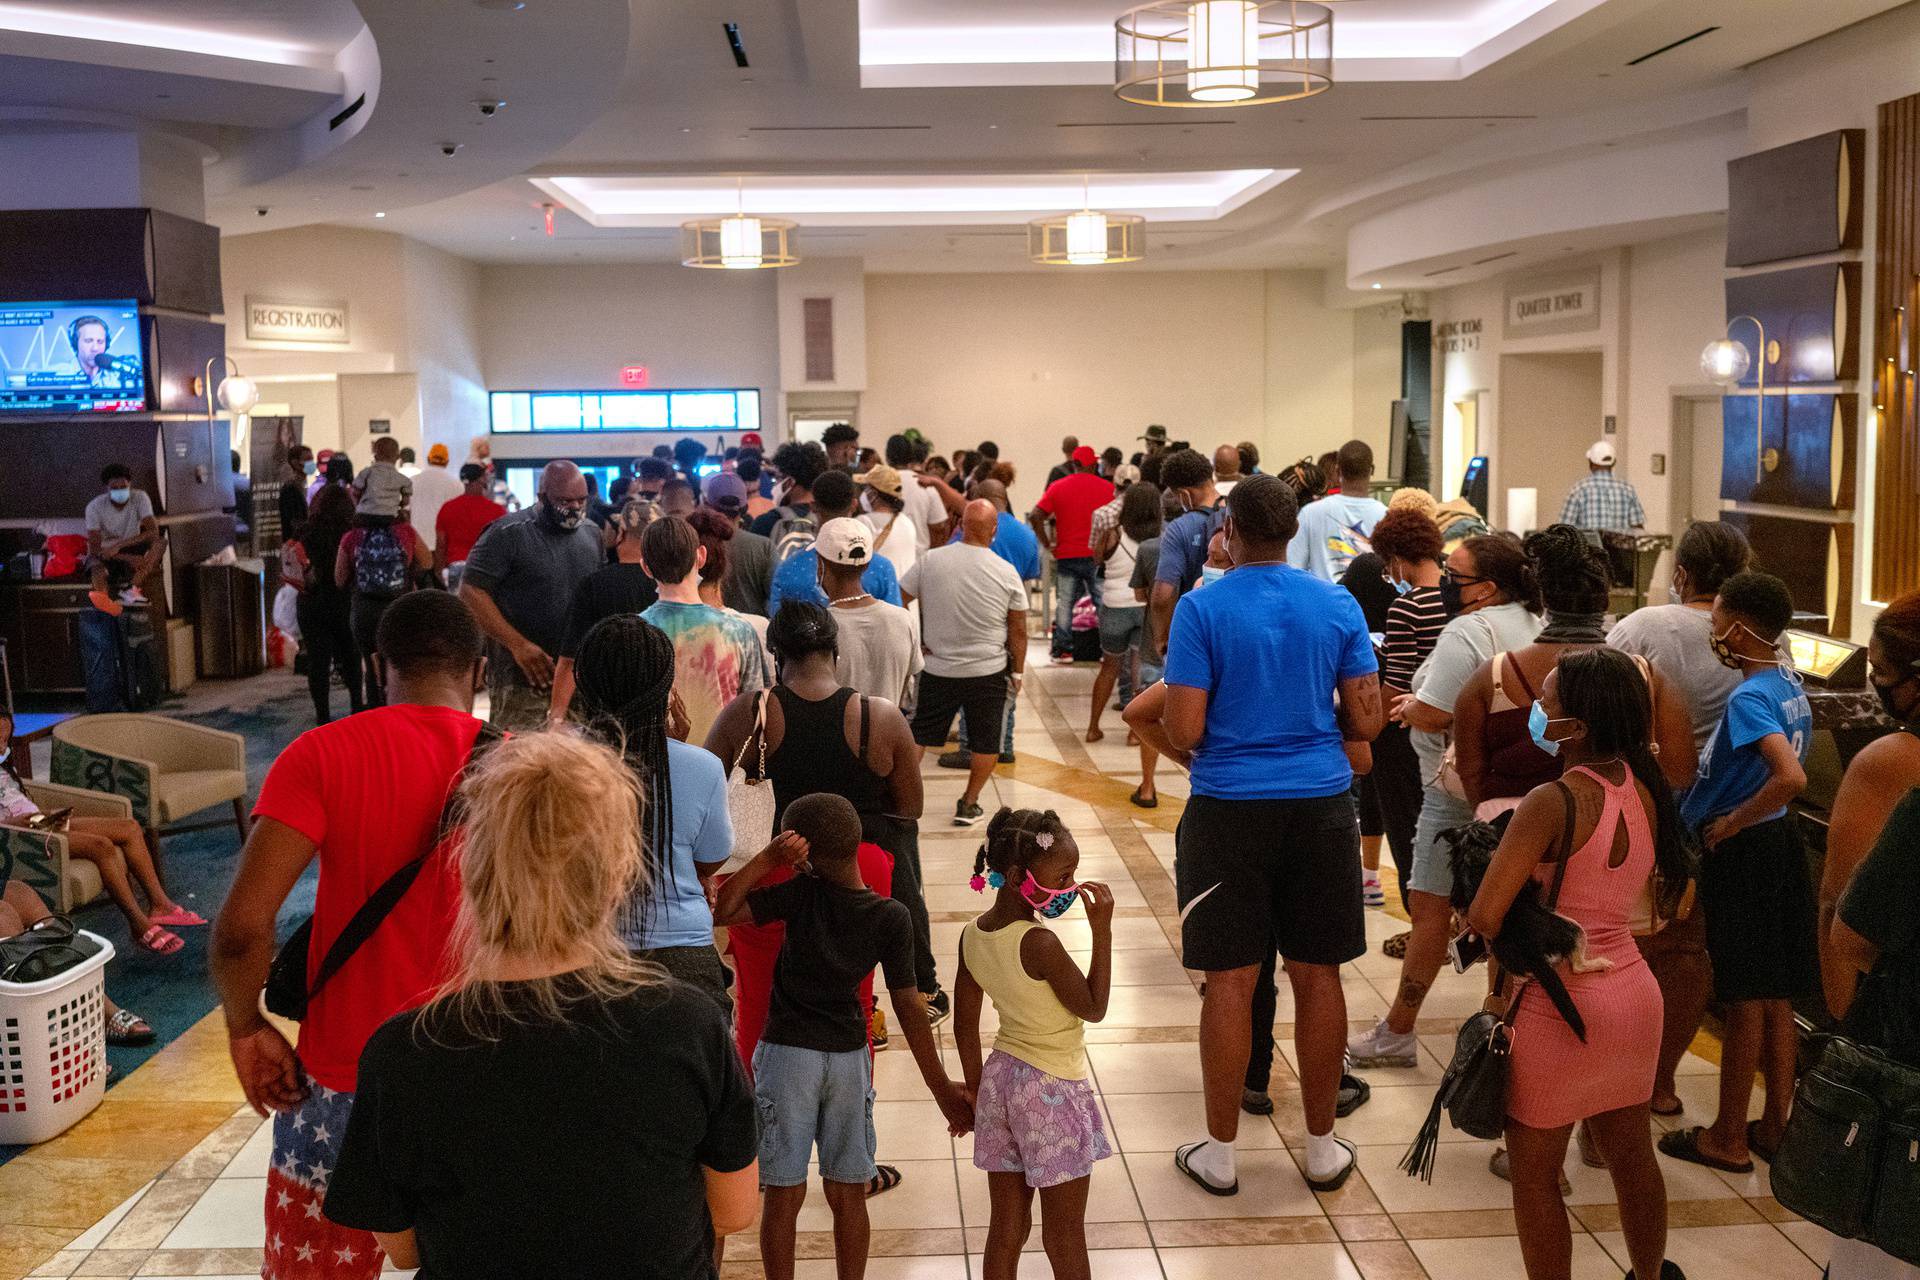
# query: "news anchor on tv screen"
[[61, 357]]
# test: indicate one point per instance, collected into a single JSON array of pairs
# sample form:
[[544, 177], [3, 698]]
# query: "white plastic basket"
[[53, 1049]]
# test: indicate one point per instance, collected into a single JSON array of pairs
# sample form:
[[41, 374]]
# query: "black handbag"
[[1850, 1157], [287, 991], [46, 950], [1473, 1091]]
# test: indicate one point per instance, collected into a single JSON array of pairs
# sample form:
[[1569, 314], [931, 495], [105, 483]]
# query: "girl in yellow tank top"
[[1036, 1124]]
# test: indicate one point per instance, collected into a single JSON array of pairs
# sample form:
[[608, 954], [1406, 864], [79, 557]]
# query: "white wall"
[[575, 326], [445, 317], [1676, 305]]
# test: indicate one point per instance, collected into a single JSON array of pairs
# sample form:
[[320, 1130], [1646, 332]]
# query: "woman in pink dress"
[[1596, 712]]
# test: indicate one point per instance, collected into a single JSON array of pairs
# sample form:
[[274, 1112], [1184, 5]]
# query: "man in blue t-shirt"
[[1336, 530], [798, 577], [1754, 885], [1268, 851], [1188, 476]]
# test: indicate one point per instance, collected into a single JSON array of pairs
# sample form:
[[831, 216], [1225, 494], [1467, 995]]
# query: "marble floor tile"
[[1300, 1261], [227, 1216], [1726, 1253], [1480, 1259]]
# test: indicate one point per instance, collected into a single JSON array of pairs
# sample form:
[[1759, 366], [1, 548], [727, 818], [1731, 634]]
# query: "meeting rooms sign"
[[1558, 304], [323, 323]]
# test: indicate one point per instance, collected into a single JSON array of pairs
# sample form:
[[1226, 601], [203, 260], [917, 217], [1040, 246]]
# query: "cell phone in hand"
[[1466, 951]]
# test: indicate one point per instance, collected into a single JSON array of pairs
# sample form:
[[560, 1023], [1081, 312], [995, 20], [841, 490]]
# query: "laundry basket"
[[53, 1048]]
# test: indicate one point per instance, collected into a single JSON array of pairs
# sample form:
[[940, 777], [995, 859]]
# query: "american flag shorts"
[[302, 1244]]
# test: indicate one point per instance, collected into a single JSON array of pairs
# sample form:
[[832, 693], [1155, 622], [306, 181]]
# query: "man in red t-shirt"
[[365, 794], [1068, 506], [460, 522]]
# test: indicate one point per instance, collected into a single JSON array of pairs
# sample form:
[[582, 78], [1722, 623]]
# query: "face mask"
[[1400, 586], [1450, 596], [866, 502], [309, 467], [1734, 661], [120, 496], [1051, 904], [1674, 596], [1210, 575], [559, 518], [1884, 692], [1537, 723]]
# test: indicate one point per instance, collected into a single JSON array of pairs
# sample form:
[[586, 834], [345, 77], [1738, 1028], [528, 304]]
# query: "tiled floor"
[[201, 1214]]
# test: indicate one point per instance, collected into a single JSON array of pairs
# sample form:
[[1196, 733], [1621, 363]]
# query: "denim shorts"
[[1432, 870], [1121, 629], [808, 1096]]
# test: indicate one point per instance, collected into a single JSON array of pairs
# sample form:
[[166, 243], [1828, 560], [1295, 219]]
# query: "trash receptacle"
[[231, 621]]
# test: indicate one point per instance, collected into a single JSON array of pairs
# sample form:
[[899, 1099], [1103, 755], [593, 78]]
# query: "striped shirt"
[[1414, 623], [1603, 501]]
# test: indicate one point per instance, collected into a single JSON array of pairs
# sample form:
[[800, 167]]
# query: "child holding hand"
[[1037, 1125]]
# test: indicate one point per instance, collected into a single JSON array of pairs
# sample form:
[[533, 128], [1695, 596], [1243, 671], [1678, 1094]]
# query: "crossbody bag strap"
[[865, 727], [759, 731], [371, 913]]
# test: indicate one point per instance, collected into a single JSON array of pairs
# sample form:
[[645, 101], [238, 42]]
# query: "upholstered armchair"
[[167, 769], [40, 858]]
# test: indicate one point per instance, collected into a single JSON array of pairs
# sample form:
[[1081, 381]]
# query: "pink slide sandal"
[[179, 918], [160, 942]]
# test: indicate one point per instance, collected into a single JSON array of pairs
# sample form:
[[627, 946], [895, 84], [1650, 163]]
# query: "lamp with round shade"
[[1222, 53], [1725, 361], [238, 393]]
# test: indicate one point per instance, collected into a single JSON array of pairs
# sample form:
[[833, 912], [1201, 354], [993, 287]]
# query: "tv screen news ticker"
[[71, 357]]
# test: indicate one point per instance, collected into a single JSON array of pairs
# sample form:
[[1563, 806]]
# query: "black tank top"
[[813, 755]]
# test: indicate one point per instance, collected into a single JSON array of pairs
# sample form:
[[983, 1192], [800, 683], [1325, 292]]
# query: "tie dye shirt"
[[716, 658]]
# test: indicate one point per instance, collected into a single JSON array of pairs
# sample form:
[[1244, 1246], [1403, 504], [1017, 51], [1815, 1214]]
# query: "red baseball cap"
[[749, 439], [1085, 455]]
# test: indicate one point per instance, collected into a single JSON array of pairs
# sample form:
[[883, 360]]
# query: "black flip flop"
[[1758, 1147], [1146, 802], [1684, 1144], [885, 1179], [1180, 1163], [1339, 1179]]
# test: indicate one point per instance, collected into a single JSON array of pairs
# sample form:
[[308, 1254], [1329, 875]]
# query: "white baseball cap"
[[845, 541], [1601, 454]]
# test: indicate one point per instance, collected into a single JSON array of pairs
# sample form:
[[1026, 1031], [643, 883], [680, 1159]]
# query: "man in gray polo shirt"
[[519, 582]]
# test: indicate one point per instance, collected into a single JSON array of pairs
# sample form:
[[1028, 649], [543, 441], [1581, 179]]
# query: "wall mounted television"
[[72, 357]]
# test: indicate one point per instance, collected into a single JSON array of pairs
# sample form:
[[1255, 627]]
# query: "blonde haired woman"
[[561, 1108]]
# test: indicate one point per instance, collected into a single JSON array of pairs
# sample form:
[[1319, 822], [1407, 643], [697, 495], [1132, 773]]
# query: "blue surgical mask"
[[120, 496], [1400, 586], [1210, 575], [310, 467], [1537, 723]]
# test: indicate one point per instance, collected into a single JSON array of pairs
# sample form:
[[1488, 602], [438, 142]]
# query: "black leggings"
[[367, 612], [326, 631], [901, 838], [1396, 781]]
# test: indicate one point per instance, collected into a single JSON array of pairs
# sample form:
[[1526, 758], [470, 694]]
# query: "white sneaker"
[[1381, 1047], [133, 595], [1374, 896]]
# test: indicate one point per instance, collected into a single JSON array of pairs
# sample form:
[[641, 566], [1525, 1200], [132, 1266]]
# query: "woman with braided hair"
[[623, 694]]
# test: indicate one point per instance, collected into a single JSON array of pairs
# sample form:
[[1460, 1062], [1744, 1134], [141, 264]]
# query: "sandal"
[[885, 1178], [1180, 1163], [1145, 802], [159, 941], [1339, 1179], [1766, 1151], [179, 918], [1395, 948], [1677, 1108], [1684, 1144], [128, 1029]]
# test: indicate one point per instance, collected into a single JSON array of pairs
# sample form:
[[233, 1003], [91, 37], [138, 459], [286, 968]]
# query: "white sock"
[[1325, 1157], [1373, 879], [1213, 1160]]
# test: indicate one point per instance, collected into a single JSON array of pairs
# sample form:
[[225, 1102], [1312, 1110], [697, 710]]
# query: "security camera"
[[489, 107], [448, 148]]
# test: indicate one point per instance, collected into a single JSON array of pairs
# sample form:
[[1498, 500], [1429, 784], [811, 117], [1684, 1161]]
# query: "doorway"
[[1550, 412], [1693, 481]]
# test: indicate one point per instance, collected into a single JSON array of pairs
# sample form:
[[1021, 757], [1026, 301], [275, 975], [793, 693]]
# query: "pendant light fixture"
[[738, 242], [1088, 238], [1222, 53]]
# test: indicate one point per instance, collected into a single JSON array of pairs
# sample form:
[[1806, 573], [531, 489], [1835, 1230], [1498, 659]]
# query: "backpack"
[[792, 534], [381, 567]]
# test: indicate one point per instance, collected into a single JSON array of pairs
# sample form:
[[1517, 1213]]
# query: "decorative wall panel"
[[1896, 267], [1796, 201], [1813, 557], [1808, 438], [1808, 313]]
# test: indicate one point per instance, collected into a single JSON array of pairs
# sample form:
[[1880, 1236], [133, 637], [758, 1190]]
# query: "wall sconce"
[[1726, 361]]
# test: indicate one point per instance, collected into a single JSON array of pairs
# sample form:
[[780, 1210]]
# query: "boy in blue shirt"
[[1754, 885]]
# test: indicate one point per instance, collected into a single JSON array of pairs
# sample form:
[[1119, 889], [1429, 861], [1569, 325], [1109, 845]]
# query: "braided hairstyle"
[[801, 629], [1572, 572], [623, 677], [1012, 842]]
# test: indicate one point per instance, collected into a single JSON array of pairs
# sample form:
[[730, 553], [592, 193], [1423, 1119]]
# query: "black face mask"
[[557, 518], [1450, 596], [1885, 693]]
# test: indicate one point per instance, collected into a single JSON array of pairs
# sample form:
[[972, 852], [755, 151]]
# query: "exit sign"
[[633, 375]]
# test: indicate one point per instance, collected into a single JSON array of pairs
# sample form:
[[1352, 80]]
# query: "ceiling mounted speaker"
[[1222, 53]]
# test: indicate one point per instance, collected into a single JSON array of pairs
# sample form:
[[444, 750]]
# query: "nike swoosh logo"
[[1188, 909]]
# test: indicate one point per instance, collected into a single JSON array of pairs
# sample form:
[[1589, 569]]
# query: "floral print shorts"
[[1026, 1121]]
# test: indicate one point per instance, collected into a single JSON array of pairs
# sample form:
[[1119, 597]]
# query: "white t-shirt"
[[903, 546], [1678, 641], [879, 649], [1464, 644], [924, 505], [965, 594], [433, 488], [1333, 531], [1116, 576], [118, 521]]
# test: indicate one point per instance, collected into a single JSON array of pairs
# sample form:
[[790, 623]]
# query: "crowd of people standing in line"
[[1335, 673]]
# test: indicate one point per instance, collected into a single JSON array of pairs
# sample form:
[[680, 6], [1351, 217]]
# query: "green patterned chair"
[[167, 769], [40, 858]]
